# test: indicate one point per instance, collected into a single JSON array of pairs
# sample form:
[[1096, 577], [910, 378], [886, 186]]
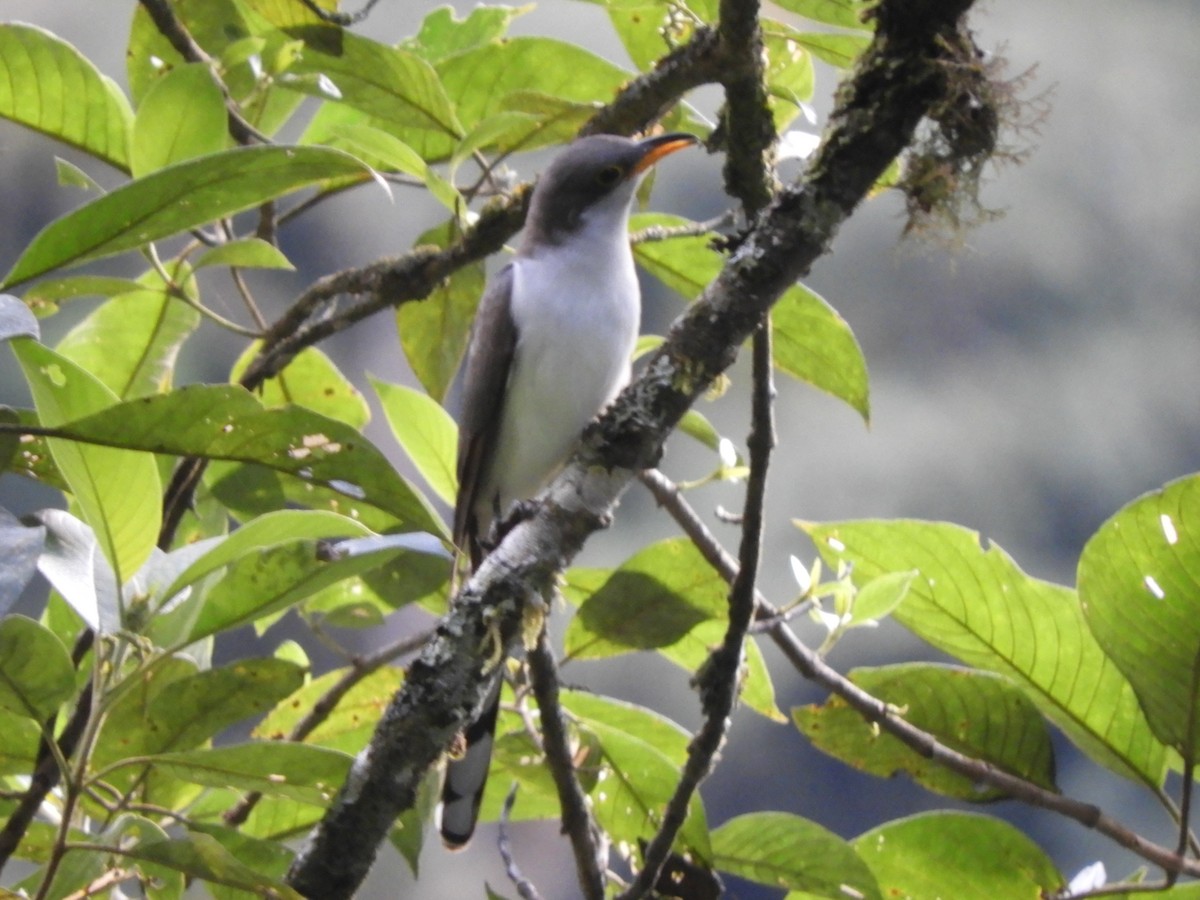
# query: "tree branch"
[[576, 818], [748, 178], [894, 86]]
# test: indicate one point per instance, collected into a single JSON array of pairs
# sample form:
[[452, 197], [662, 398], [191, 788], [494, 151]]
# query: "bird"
[[550, 348]]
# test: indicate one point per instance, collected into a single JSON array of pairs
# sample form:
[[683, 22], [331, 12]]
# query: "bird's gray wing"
[[485, 376], [484, 379]]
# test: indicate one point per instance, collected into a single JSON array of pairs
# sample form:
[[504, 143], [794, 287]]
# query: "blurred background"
[[1025, 384]]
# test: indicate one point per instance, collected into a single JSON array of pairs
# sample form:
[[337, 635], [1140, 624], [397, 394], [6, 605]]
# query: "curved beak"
[[655, 148]]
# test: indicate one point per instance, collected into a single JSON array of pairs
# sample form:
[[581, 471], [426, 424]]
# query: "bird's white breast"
[[576, 307]]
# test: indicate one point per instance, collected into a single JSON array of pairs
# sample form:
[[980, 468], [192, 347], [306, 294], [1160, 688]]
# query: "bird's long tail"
[[466, 778]]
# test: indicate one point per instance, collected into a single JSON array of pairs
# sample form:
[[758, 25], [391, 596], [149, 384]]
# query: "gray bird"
[[550, 348]]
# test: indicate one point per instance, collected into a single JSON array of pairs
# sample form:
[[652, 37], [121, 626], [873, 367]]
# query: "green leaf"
[[269, 859], [266, 531], [18, 745], [434, 332], [247, 253], [180, 709], [977, 605], [182, 116], [655, 598], [70, 175], [1138, 583], [814, 344], [683, 617], [132, 341], [201, 856], [785, 851], [648, 29], [443, 33], [49, 86], [842, 13], [976, 713], [36, 675], [426, 433], [301, 772], [161, 882], [637, 756], [43, 298], [526, 64], [959, 855], [350, 724], [311, 380], [261, 584], [117, 491], [227, 422], [390, 84], [185, 195]]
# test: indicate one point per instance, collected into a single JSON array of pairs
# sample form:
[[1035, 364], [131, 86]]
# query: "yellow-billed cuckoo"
[[550, 348]]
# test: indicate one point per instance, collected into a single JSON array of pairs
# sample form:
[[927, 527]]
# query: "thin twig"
[[576, 817], [748, 178], [524, 886]]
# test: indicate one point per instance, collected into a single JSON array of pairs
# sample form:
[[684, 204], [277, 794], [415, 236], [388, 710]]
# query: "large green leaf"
[[526, 65], [228, 422], [390, 84], [304, 773], [49, 86], [266, 531], [186, 195], [812, 342], [675, 604], [131, 342], [425, 431], [261, 584], [967, 857], [117, 491], [1139, 583], [36, 674], [979, 606], [976, 713], [181, 117], [785, 851], [638, 755], [655, 598]]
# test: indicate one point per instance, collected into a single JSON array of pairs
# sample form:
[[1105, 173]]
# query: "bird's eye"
[[609, 175]]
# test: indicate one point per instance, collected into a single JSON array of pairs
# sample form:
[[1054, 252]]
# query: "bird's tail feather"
[[466, 778]]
